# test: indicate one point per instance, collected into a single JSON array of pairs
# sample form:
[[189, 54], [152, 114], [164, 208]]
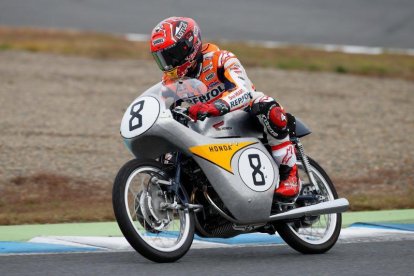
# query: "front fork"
[[174, 186], [305, 162], [176, 181]]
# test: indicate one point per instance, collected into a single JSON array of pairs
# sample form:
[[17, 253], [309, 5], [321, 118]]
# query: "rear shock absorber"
[[305, 162]]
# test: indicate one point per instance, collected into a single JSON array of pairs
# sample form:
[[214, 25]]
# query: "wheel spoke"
[[315, 230], [164, 230]]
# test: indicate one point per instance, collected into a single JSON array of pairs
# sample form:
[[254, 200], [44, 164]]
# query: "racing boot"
[[285, 157]]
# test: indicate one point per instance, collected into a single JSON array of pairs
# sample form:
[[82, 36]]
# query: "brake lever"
[[181, 111]]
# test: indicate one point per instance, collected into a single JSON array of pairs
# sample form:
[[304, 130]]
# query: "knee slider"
[[277, 126], [273, 116], [277, 116]]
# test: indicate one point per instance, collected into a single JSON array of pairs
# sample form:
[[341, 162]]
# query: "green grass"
[[300, 58], [371, 202], [106, 46]]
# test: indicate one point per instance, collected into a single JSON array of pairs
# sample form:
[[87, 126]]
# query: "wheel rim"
[[164, 231], [323, 227]]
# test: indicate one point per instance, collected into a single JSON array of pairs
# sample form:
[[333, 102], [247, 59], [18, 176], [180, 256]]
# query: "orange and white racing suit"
[[230, 89]]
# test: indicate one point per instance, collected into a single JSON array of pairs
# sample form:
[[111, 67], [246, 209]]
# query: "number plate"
[[139, 117], [256, 170]]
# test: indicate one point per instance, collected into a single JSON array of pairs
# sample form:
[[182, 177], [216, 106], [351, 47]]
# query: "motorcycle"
[[214, 178]]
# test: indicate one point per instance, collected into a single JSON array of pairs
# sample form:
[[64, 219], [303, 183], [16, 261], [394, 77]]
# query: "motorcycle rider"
[[178, 50]]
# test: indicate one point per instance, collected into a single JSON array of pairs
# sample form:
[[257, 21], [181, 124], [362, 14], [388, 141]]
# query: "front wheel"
[[314, 234], [139, 200]]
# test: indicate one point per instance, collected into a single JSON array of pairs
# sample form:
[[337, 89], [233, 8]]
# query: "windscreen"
[[184, 90], [178, 91]]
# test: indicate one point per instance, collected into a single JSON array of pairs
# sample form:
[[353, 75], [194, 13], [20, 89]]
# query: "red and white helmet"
[[175, 44]]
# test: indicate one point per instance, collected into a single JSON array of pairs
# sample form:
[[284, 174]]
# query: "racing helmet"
[[175, 45]]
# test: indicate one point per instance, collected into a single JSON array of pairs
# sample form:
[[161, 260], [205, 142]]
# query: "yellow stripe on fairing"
[[220, 154]]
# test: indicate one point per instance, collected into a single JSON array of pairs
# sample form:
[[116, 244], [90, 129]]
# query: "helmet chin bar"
[[172, 74], [180, 71], [168, 68]]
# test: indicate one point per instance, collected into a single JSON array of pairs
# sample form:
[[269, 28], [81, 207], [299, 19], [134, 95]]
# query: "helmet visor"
[[174, 56]]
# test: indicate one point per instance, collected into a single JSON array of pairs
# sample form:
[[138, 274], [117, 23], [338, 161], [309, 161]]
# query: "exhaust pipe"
[[329, 207]]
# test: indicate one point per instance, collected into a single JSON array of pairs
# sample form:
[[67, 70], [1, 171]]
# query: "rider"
[[177, 48]]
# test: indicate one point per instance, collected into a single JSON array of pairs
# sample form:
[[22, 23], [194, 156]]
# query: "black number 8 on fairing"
[[257, 174], [135, 114]]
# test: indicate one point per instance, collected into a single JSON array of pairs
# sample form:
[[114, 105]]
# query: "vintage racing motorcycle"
[[214, 178]]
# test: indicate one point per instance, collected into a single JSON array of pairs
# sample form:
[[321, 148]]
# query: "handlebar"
[[183, 113]]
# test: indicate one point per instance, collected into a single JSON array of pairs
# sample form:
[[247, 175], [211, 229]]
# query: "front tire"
[[313, 235], [160, 235]]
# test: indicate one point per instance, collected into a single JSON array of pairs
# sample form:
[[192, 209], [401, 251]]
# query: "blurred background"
[[69, 68], [383, 23]]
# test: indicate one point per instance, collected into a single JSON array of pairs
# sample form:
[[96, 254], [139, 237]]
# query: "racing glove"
[[200, 111]]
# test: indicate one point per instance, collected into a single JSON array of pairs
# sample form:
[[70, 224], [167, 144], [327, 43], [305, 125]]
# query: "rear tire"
[[140, 219], [300, 236]]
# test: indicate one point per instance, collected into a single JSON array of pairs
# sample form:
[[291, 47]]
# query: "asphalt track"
[[375, 258], [363, 249], [382, 245], [383, 23]]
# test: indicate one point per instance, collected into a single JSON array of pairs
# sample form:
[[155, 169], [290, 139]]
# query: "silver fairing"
[[234, 124], [246, 187]]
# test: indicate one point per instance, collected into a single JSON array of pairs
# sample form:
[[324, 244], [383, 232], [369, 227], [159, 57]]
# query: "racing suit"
[[230, 89]]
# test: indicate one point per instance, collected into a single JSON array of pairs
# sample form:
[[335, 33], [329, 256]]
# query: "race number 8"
[[140, 116], [257, 174], [135, 110]]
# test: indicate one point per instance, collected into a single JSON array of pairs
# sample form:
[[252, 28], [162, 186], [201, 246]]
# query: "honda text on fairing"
[[215, 178]]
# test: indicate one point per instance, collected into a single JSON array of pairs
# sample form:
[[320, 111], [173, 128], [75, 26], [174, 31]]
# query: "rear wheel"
[[158, 232], [313, 234]]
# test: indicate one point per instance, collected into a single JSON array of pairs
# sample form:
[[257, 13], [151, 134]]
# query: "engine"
[[209, 222]]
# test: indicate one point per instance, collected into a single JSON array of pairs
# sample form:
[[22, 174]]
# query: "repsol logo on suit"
[[208, 96], [242, 99]]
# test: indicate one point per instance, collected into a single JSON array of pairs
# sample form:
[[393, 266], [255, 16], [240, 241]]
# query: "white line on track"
[[348, 235], [348, 49], [119, 244]]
